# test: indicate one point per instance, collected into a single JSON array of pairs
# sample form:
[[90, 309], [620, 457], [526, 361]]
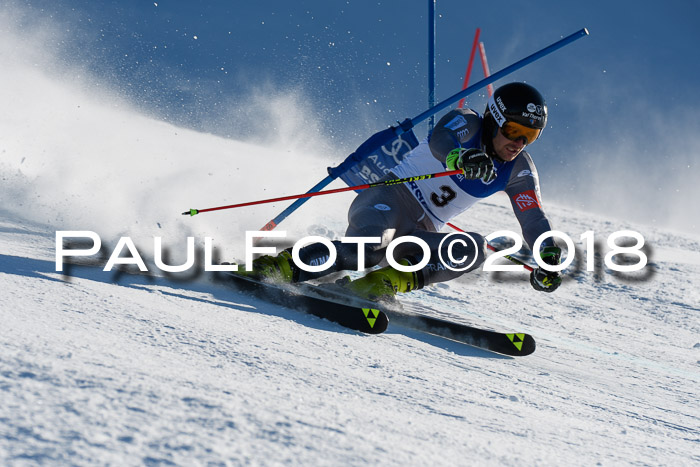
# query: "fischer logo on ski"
[[517, 340], [371, 314]]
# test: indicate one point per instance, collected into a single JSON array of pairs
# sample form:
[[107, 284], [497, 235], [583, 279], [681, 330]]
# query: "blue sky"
[[625, 96], [347, 53]]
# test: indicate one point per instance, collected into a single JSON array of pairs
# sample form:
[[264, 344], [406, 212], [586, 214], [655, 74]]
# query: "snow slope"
[[156, 371], [151, 371]]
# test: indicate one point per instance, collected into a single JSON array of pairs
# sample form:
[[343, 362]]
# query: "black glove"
[[473, 162], [543, 280]]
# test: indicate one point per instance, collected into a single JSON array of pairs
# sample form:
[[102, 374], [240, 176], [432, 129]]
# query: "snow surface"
[[156, 371]]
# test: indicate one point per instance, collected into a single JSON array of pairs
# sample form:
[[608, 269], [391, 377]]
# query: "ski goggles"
[[514, 131]]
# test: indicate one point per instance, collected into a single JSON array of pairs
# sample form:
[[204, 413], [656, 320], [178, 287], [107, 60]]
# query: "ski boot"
[[267, 268], [384, 283]]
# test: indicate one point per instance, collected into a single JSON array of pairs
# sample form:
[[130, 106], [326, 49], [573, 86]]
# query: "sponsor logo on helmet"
[[526, 200], [537, 109], [501, 105], [496, 112], [535, 113], [533, 117], [382, 207]]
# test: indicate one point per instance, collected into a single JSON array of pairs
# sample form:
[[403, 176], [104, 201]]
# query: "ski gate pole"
[[468, 73]]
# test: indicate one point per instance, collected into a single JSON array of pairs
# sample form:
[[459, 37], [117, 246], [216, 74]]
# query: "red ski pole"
[[396, 181]]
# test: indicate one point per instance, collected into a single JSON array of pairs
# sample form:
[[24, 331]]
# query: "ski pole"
[[493, 248], [395, 181], [383, 137]]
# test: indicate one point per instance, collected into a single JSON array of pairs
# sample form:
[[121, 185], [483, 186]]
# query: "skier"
[[490, 152]]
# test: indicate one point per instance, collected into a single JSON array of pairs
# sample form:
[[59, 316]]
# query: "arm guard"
[[459, 128]]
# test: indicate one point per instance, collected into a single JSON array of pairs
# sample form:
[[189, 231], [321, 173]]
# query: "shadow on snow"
[[213, 292]]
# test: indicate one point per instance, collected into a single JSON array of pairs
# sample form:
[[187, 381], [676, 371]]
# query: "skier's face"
[[505, 148]]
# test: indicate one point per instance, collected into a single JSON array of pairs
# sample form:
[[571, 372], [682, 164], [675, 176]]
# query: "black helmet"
[[518, 109]]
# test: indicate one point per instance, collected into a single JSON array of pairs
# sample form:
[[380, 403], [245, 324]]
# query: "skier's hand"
[[474, 163], [543, 280]]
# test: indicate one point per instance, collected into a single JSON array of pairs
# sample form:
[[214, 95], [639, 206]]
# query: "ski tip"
[[377, 321], [522, 344]]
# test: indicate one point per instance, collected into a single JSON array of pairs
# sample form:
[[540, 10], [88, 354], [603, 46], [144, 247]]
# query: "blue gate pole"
[[431, 61]]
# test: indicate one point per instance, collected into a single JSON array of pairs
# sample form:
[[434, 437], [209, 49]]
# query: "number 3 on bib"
[[447, 195]]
